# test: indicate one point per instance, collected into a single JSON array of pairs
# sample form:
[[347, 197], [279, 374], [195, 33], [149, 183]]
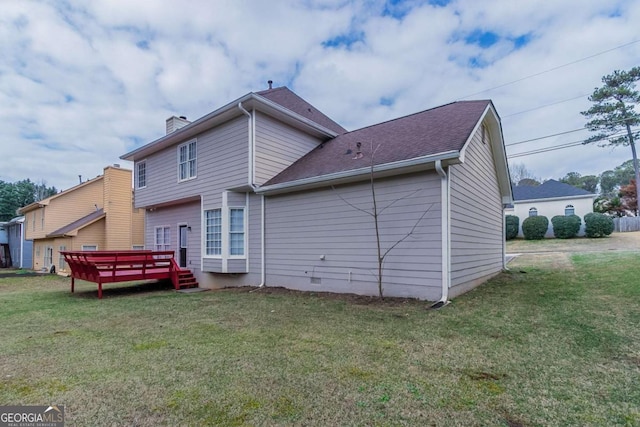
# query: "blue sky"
[[81, 83]]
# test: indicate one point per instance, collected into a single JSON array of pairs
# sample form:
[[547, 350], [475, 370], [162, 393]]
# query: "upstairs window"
[[187, 155], [533, 212], [569, 210], [141, 174]]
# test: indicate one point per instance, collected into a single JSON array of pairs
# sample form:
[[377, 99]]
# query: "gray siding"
[[171, 216], [19, 248], [222, 163], [476, 216], [278, 146], [305, 226]]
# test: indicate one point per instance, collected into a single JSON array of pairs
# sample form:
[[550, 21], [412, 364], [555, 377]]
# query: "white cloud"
[[83, 82]]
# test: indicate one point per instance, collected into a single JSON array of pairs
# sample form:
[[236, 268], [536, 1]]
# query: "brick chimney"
[[174, 123]]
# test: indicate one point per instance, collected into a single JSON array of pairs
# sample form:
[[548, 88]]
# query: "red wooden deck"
[[125, 266]]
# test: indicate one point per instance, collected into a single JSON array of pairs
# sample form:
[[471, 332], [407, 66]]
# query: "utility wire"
[[544, 106], [551, 69]]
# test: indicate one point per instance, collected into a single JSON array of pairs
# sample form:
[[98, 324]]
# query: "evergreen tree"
[[612, 114]]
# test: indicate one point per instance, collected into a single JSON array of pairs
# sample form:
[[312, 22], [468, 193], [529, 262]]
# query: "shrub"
[[566, 227], [512, 224], [598, 225], [535, 227]]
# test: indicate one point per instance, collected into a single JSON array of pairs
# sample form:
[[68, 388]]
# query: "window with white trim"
[[533, 212], [187, 155], [213, 230], [89, 247], [137, 247], [141, 174], [162, 239], [569, 210], [62, 265], [236, 232]]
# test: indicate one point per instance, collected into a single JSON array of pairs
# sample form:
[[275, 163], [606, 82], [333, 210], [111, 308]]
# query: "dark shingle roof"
[[291, 101], [82, 222], [438, 130], [548, 190]]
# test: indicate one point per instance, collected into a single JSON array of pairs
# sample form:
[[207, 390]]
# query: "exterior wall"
[[551, 208], [317, 242], [118, 209], [40, 245], [477, 236], [59, 213], [137, 227], [172, 216], [221, 162], [277, 146]]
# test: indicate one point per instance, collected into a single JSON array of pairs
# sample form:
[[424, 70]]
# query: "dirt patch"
[[348, 298], [555, 260]]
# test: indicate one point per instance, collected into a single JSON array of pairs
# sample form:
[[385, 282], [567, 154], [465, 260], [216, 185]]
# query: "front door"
[[183, 246]]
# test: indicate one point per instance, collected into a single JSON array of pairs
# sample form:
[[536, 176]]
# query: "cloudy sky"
[[81, 83]]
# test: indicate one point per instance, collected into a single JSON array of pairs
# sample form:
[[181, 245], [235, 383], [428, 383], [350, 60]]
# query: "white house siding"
[[222, 154], [304, 227], [550, 208], [172, 216], [476, 218], [278, 146]]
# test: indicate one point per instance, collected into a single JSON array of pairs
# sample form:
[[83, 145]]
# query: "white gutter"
[[251, 177], [446, 262], [319, 180]]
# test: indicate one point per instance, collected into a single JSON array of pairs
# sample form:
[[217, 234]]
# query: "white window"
[[236, 232], [89, 247], [162, 239], [141, 174], [213, 227], [62, 265], [137, 247], [48, 256], [33, 222], [42, 219], [533, 212], [569, 210], [187, 161]]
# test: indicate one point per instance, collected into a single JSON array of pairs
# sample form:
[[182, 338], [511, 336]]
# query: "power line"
[[544, 106], [551, 69]]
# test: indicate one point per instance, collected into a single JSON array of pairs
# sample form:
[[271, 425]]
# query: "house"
[[97, 214], [20, 248], [268, 190], [550, 198]]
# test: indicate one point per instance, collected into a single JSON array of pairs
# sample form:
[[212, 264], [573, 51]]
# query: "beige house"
[[97, 214]]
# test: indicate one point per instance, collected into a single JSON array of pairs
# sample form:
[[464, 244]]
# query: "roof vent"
[[270, 84]]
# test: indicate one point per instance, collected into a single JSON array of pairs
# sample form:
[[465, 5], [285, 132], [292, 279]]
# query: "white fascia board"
[[386, 169], [223, 114], [553, 199]]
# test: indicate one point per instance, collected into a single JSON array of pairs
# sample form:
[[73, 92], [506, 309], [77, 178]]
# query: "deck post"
[[73, 283], [99, 290]]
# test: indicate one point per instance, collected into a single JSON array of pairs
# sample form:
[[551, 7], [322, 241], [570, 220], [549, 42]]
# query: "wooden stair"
[[186, 280]]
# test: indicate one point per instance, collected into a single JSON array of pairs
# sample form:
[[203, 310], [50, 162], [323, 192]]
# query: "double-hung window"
[[163, 239], [213, 226], [236, 232], [141, 174], [187, 154], [569, 210]]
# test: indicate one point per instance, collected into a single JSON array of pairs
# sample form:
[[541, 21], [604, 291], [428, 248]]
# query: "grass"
[[535, 346]]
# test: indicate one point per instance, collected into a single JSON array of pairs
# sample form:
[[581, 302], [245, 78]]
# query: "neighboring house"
[[21, 249], [266, 191], [5, 253], [550, 199], [97, 214]]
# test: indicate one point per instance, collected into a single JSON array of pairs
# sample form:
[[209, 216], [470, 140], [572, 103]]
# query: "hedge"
[[512, 224], [535, 227], [566, 227], [598, 225]]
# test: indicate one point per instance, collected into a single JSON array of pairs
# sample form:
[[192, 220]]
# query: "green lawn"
[[532, 347]]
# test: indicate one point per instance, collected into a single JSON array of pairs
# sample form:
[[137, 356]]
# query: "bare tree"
[[519, 172], [375, 212]]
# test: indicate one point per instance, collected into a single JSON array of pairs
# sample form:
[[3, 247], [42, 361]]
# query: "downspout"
[[444, 202], [21, 245], [251, 176], [504, 239]]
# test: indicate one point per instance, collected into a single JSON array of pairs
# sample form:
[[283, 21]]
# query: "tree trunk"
[[635, 166], [375, 221]]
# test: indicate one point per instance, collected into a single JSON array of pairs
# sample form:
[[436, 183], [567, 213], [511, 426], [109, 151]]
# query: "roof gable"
[[548, 190], [291, 101], [439, 130], [78, 224]]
